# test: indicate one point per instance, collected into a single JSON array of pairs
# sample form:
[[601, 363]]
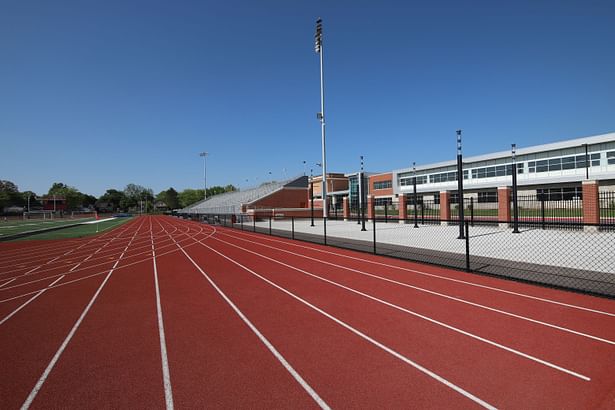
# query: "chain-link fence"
[[581, 259]]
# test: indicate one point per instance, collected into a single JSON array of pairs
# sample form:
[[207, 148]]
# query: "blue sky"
[[101, 94]]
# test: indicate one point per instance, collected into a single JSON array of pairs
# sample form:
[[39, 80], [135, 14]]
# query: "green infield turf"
[[77, 231], [12, 227]]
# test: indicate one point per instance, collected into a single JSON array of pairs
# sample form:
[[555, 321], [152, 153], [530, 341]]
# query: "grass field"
[[78, 231], [12, 227]]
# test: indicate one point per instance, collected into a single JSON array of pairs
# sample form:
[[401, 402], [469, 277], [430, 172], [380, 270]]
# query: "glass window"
[[465, 174], [568, 163], [490, 172], [542, 166], [595, 160], [482, 173], [474, 173], [520, 167], [500, 170], [532, 166], [580, 161], [555, 164], [610, 157], [489, 196]]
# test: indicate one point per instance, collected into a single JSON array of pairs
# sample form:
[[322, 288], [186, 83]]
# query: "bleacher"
[[231, 202]]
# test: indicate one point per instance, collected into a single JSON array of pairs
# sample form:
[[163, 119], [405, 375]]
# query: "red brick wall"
[[285, 198], [591, 202], [346, 205], [403, 211], [370, 207], [445, 205], [504, 204], [380, 178]]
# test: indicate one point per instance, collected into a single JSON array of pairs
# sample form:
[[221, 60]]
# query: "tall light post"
[[460, 185], [204, 155], [416, 222], [318, 47], [361, 204], [514, 189]]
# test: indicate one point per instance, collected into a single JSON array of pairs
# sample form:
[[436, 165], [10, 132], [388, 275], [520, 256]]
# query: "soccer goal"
[[38, 215], [83, 214]]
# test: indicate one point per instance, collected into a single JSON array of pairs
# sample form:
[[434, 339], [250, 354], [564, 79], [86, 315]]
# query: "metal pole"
[[361, 202], [460, 185], [204, 155], [514, 187], [416, 225], [321, 115], [374, 226], [467, 238], [312, 196]]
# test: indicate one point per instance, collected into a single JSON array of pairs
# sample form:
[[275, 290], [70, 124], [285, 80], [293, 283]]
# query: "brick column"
[[403, 211], [591, 204], [371, 207], [445, 206], [504, 193], [346, 208]]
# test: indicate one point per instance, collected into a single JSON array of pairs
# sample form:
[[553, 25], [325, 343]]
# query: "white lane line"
[[7, 282], [321, 403], [416, 314], [478, 305], [39, 384], [23, 305], [523, 295], [363, 335], [166, 374]]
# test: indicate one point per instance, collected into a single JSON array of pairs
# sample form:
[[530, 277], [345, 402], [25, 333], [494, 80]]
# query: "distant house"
[[13, 209], [54, 203], [160, 206], [104, 206]]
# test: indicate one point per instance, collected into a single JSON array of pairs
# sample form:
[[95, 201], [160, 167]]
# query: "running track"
[[164, 313]]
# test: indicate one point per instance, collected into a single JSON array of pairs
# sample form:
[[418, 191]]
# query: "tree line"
[[133, 197]]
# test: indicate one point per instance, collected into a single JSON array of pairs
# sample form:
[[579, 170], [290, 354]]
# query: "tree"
[[9, 194], [169, 197], [189, 196], [113, 196], [134, 195], [73, 197]]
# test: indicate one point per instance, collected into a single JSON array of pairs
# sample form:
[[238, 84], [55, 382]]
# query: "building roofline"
[[591, 140]]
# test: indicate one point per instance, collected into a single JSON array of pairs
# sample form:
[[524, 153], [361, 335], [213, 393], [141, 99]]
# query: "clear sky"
[[99, 94]]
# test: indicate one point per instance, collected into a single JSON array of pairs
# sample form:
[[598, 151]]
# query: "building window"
[[559, 194], [610, 156], [542, 166], [488, 196], [568, 163], [383, 201], [531, 166], [383, 184], [595, 160]]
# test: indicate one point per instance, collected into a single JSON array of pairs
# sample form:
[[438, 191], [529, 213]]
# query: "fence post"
[[292, 220], [269, 224], [467, 247], [423, 213], [472, 210], [386, 214], [241, 219], [374, 226], [324, 224], [542, 211], [254, 222]]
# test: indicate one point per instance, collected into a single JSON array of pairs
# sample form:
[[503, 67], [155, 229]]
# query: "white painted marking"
[[166, 374], [564, 329], [363, 336], [321, 403], [436, 276], [416, 314], [23, 305], [39, 384], [7, 282]]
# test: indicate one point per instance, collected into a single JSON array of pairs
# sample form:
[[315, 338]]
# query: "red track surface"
[[221, 318]]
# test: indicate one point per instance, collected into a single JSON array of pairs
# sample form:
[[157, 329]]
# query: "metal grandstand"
[[231, 202]]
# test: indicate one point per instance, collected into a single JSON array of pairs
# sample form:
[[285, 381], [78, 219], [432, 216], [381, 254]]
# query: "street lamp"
[[318, 47], [204, 155]]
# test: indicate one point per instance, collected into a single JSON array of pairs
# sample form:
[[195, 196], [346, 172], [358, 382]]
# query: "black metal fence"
[[560, 214], [607, 209], [582, 259]]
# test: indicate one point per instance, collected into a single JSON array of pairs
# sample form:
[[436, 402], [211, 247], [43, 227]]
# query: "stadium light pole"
[[416, 222], [312, 196], [460, 185], [514, 188], [361, 204], [204, 154], [318, 47], [304, 168]]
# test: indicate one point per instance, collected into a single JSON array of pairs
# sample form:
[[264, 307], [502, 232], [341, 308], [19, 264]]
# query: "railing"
[[582, 259]]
